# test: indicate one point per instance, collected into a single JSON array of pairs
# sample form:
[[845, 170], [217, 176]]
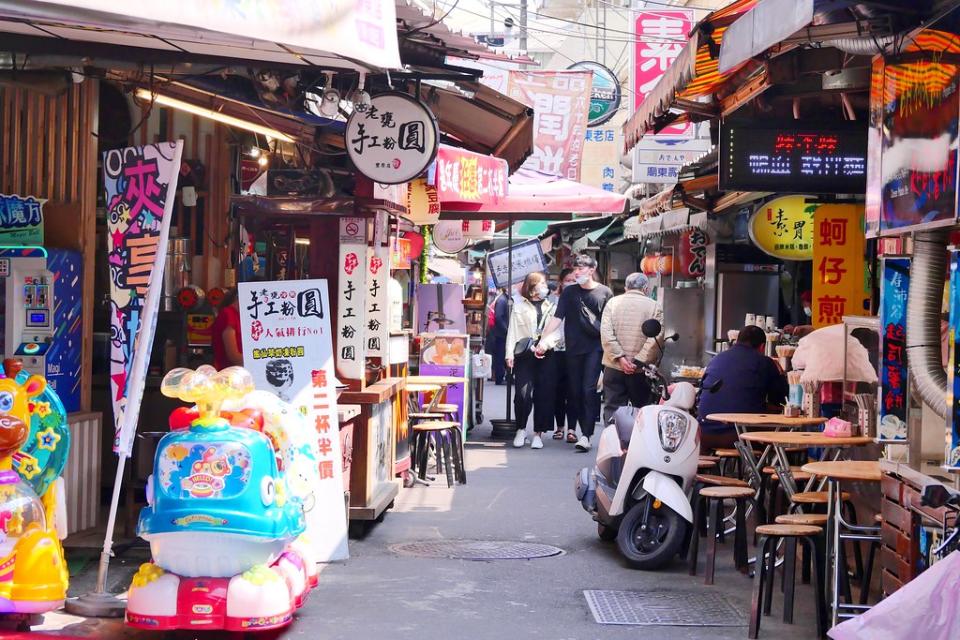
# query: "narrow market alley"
[[511, 495]]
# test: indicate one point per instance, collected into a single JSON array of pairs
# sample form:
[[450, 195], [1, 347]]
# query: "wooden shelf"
[[374, 394]]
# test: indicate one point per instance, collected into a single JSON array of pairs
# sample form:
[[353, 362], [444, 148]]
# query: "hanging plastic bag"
[[927, 607], [482, 365]]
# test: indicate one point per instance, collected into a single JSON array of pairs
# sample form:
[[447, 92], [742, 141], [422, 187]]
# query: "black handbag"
[[523, 348]]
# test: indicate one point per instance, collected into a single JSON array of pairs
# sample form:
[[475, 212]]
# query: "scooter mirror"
[[651, 328], [674, 337]]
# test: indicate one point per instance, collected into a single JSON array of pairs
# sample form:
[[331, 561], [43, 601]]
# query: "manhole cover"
[[664, 608], [476, 549]]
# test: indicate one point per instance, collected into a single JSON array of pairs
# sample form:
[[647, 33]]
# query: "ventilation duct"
[[927, 276]]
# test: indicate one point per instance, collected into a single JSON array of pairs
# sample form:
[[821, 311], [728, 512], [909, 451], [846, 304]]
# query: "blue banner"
[[893, 397], [952, 457]]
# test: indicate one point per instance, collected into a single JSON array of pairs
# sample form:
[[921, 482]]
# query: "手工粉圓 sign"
[[392, 140]]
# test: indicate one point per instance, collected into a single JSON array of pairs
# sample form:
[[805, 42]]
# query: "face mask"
[[582, 280], [543, 290]]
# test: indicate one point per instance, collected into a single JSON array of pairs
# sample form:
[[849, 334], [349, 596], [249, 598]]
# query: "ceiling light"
[[263, 161], [203, 112], [304, 241], [330, 105], [254, 152]]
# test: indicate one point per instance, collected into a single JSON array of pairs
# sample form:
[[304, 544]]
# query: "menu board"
[[793, 158]]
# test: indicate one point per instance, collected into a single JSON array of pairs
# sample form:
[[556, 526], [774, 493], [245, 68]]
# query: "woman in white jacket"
[[535, 377]]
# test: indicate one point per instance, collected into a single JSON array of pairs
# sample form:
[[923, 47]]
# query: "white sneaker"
[[537, 442], [520, 439], [583, 444]]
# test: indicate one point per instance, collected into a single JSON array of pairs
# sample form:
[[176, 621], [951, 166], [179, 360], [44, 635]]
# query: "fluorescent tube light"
[[203, 112]]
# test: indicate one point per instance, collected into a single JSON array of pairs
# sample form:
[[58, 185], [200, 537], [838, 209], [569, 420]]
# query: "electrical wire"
[[435, 22]]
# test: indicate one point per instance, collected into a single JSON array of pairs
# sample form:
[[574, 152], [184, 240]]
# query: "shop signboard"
[[463, 176], [439, 307], [660, 37], [363, 31], [378, 273], [351, 309], [21, 220], [288, 349], [952, 457], [793, 157], [693, 253], [139, 190], [918, 145], [526, 258], [893, 401], [839, 276], [448, 236], [393, 140], [423, 203], [478, 229], [783, 228], [561, 102], [605, 93], [447, 355]]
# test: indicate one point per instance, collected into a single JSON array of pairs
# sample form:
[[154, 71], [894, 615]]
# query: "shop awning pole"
[[509, 301]]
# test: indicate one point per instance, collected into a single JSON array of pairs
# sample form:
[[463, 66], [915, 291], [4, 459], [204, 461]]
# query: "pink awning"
[[532, 194]]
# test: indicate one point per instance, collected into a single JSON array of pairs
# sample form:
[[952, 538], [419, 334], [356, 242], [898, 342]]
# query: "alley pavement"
[[511, 495]]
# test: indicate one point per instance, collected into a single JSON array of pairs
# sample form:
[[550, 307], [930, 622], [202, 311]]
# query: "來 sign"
[[392, 140]]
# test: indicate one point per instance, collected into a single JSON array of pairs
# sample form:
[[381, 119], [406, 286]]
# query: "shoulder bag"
[[589, 321]]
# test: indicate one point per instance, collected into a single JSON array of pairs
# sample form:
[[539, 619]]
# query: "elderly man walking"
[[624, 343]]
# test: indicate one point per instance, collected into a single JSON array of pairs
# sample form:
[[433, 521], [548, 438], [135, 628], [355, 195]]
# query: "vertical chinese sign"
[[351, 312], [288, 349], [139, 189], [378, 273], [839, 278], [952, 454], [21, 220], [561, 104], [893, 398], [661, 36]]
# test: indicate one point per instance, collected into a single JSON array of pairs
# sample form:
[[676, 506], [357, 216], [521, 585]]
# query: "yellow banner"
[[839, 277]]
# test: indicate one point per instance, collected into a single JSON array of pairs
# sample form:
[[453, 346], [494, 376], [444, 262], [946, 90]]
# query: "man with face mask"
[[580, 308]]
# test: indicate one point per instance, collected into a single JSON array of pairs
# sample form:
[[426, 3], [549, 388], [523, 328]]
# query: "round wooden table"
[[854, 470], [743, 421], [423, 387], [804, 439], [839, 530]]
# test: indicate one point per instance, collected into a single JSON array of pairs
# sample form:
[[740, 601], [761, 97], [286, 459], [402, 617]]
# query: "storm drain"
[[476, 549], [664, 608]]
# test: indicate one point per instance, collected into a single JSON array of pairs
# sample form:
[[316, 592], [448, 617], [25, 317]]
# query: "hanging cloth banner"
[[893, 403], [139, 186]]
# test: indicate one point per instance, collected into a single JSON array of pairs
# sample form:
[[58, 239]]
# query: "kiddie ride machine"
[[223, 521], [34, 439]]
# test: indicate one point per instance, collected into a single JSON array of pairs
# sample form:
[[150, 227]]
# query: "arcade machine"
[[41, 313]]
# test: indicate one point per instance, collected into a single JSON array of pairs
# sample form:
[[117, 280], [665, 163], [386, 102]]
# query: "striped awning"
[[921, 81], [693, 75]]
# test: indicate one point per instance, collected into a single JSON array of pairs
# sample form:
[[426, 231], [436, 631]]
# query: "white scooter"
[[638, 492]]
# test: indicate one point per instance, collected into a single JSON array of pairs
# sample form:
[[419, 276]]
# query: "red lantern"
[[693, 253]]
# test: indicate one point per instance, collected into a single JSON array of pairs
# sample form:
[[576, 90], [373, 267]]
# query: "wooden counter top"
[[374, 394], [865, 470], [766, 419]]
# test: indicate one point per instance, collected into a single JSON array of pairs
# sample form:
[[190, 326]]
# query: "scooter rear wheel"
[[656, 545]]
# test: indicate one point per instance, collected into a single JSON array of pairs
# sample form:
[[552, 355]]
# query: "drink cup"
[[750, 319]]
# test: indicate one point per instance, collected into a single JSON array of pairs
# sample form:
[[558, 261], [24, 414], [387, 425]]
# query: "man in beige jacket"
[[623, 342]]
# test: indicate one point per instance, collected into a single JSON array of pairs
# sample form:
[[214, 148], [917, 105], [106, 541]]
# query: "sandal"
[[558, 434], [572, 437]]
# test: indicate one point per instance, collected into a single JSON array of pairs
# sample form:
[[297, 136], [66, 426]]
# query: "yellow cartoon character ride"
[[33, 573]]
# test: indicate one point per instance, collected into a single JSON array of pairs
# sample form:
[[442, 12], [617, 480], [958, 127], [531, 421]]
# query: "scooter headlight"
[[673, 426]]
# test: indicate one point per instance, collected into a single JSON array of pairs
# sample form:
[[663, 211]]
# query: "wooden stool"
[[770, 495], [714, 497], [707, 479], [808, 519], [706, 464], [449, 410], [770, 534], [447, 444]]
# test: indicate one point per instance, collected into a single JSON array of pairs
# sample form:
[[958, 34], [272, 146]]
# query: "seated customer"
[[751, 382]]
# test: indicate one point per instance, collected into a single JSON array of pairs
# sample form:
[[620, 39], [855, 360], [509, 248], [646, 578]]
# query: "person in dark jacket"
[[751, 383], [497, 338]]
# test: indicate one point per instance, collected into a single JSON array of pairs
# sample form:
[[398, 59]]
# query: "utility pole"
[[523, 26]]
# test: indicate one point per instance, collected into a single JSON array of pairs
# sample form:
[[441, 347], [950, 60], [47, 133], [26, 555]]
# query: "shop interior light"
[[254, 152], [304, 241], [203, 112], [263, 160]]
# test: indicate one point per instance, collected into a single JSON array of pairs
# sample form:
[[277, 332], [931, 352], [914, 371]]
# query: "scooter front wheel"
[[651, 534]]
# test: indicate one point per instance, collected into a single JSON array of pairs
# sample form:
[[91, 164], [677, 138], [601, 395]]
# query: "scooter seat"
[[624, 418]]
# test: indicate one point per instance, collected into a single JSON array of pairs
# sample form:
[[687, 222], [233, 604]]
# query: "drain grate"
[[664, 608], [476, 549]]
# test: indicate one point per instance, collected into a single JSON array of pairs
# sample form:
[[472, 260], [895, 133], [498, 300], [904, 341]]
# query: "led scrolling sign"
[[793, 159]]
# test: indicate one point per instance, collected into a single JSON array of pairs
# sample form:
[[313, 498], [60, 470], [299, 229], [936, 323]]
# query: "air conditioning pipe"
[[927, 277]]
